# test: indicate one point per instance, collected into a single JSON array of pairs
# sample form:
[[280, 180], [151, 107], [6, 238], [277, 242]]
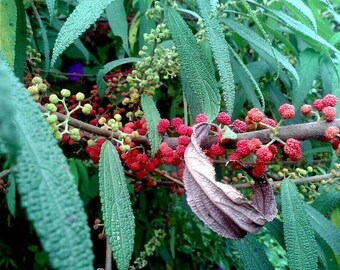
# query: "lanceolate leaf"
[[45, 184], [324, 228], [298, 234], [152, 119], [116, 206], [85, 13], [50, 6], [20, 43], [327, 200], [220, 50], [117, 20], [221, 207], [8, 24], [101, 84], [195, 67], [299, 8], [252, 253]]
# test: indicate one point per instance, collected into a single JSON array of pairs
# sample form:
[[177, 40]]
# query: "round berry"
[[318, 105], [329, 113], [242, 148], [223, 118], [65, 93], [216, 150], [239, 126], [176, 122], [200, 118], [293, 149], [80, 96], [306, 109], [269, 122], [330, 100], [184, 140], [163, 126], [54, 99], [331, 132], [286, 111], [255, 115], [264, 155]]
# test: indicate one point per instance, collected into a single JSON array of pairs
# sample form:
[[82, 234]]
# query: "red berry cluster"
[[325, 105], [293, 149], [140, 126], [94, 151]]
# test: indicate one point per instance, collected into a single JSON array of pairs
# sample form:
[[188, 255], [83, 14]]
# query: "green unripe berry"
[[33, 90], [87, 109], [42, 87], [91, 142], [115, 127], [65, 93], [58, 135], [36, 97], [74, 132], [125, 101], [124, 147], [111, 122], [54, 99], [80, 96], [117, 117], [36, 80], [51, 119], [51, 107], [313, 187]]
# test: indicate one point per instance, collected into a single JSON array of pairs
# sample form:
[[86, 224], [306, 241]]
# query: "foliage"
[[143, 76]]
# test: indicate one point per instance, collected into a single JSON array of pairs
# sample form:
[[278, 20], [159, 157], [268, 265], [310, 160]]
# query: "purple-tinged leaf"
[[221, 207]]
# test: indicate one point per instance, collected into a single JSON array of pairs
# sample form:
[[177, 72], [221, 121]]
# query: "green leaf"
[[20, 43], [252, 253], [261, 46], [101, 84], [324, 228], [327, 200], [326, 254], [73, 167], [11, 195], [116, 206], [300, 9], [152, 119], [229, 134], [85, 14], [220, 50], [298, 234], [50, 6], [45, 184], [307, 69], [117, 20], [8, 24], [44, 37], [204, 96], [275, 228]]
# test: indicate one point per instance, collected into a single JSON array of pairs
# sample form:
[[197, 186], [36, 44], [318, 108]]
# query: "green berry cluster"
[[37, 87]]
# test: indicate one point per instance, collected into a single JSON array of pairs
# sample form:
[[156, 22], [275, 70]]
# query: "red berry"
[[264, 155], [242, 148], [223, 118], [329, 113], [335, 142], [329, 100], [167, 152], [306, 110], [331, 132], [235, 159], [286, 111], [239, 126], [255, 115], [254, 144], [259, 170], [176, 122], [101, 110], [150, 167], [293, 149], [216, 150], [180, 149], [273, 149], [269, 122], [183, 140], [180, 191], [200, 118], [318, 104], [163, 125], [182, 129]]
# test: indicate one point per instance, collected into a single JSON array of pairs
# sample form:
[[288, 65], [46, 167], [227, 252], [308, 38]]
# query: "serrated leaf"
[[298, 234], [45, 184], [8, 24], [307, 69], [152, 119], [327, 200], [85, 14], [324, 228], [204, 96], [261, 46], [299, 8], [220, 206], [229, 134], [116, 206], [50, 6], [220, 50], [101, 84], [252, 253], [117, 20]]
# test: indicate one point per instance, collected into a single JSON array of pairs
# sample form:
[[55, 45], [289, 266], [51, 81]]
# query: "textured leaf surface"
[[220, 50], [327, 200], [11, 195], [252, 253], [8, 22], [298, 234], [85, 13], [101, 84], [117, 20], [204, 96], [324, 228], [221, 207], [20, 43], [45, 184], [50, 6], [152, 119], [299, 8], [116, 206], [261, 45]]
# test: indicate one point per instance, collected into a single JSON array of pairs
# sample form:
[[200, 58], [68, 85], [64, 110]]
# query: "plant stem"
[[108, 256]]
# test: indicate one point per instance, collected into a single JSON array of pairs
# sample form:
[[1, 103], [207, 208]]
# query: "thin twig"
[[165, 175], [5, 173], [108, 256]]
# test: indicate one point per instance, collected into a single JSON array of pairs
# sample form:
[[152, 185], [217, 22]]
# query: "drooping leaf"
[[85, 13], [261, 46], [220, 50], [152, 119], [45, 184], [327, 200], [44, 37], [20, 43], [298, 234], [101, 84], [195, 67], [116, 206], [11, 195], [221, 207], [326, 255], [300, 9], [117, 20], [8, 24], [307, 69], [252, 253], [324, 228]]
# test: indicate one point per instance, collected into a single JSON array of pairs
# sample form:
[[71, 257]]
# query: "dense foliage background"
[[136, 62]]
